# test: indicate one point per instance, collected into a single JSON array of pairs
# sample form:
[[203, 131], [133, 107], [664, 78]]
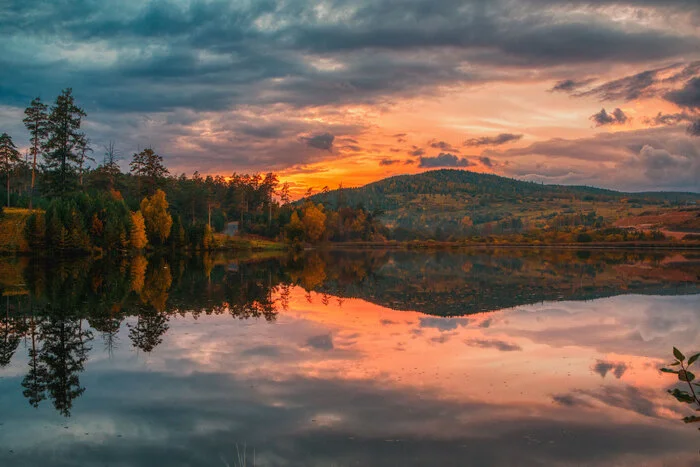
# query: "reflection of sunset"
[[492, 358]]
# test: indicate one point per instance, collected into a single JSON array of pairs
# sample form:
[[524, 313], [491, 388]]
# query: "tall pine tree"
[[37, 121], [64, 143], [9, 158]]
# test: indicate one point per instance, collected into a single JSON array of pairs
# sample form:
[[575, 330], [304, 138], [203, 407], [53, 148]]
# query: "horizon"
[[590, 93]]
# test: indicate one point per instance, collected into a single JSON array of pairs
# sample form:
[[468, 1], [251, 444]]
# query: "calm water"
[[348, 359]]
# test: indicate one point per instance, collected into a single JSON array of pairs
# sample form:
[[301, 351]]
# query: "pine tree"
[[64, 143], [148, 167], [9, 158], [36, 122]]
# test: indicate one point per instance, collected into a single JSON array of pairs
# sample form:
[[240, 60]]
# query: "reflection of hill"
[[449, 283]]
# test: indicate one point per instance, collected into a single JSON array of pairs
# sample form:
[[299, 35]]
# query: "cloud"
[[669, 118], [688, 96], [444, 160], [655, 158], [694, 128], [486, 161], [570, 85], [386, 162], [498, 140], [323, 141], [442, 145], [443, 324], [602, 118], [417, 152], [503, 346]]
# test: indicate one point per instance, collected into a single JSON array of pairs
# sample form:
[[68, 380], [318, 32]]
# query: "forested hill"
[[443, 204], [386, 193]]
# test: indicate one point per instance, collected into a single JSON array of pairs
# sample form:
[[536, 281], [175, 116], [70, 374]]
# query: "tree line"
[[78, 203]]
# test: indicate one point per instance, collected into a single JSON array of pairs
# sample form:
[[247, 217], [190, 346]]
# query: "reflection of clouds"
[[638, 325], [602, 368], [443, 324], [503, 346], [322, 342]]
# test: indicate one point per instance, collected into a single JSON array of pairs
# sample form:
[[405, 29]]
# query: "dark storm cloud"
[[444, 159], [323, 141], [616, 117], [498, 140]]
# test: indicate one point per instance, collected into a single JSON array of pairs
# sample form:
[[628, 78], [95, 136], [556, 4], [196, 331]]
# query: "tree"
[[155, 213], [284, 193], [83, 150], [137, 235], [314, 221], [37, 123], [148, 166], [63, 143], [9, 158], [295, 229]]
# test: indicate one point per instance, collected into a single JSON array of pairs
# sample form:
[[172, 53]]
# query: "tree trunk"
[[8, 188]]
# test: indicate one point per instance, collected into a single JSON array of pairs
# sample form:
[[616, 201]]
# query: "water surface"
[[348, 358]]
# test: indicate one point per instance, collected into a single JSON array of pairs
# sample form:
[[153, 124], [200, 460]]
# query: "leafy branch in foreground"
[[685, 376]]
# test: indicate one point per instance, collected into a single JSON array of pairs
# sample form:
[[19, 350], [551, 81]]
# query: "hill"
[[441, 203]]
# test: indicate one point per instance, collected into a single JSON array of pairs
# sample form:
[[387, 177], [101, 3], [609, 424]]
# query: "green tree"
[[155, 213], [148, 167], [9, 159], [64, 143], [36, 121]]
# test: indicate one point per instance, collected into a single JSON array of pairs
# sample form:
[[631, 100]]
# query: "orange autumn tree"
[[158, 220], [137, 235]]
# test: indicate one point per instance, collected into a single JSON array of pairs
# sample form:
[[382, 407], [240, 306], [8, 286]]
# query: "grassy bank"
[[12, 224]]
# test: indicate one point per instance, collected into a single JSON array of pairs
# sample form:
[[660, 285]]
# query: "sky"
[[593, 92]]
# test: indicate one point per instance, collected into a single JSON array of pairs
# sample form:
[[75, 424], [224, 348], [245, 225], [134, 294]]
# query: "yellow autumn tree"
[[158, 220], [314, 221], [137, 234], [295, 229]]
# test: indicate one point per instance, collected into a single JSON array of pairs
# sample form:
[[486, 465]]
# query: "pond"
[[348, 358]]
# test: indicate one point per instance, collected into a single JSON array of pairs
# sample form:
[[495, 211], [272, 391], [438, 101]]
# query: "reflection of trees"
[[59, 361], [9, 336], [34, 383], [149, 329]]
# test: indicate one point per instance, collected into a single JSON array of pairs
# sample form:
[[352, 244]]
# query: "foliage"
[[137, 235], [681, 368], [158, 221], [314, 221]]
